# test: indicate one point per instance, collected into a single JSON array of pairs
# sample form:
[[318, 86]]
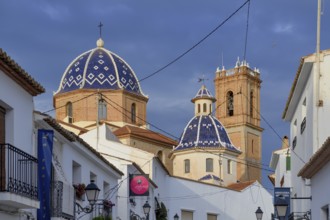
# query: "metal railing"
[[57, 201], [18, 172]]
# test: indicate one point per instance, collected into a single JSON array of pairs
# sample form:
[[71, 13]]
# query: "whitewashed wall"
[[320, 188], [227, 204], [19, 114]]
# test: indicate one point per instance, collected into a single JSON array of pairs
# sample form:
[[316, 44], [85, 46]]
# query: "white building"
[[18, 163], [190, 199], [75, 162], [307, 110], [281, 163]]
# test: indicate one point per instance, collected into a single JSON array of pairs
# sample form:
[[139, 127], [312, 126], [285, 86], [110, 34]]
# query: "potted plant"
[[80, 190]]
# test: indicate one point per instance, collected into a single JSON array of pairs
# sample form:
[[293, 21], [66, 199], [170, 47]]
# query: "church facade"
[[99, 87]]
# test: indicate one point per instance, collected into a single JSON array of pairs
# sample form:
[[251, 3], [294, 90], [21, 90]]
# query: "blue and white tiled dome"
[[203, 93], [99, 68], [205, 131]]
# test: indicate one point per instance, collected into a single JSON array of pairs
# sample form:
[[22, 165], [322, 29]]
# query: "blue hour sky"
[[45, 36]]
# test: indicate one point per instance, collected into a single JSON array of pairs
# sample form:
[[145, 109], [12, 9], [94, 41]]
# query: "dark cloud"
[[45, 36]]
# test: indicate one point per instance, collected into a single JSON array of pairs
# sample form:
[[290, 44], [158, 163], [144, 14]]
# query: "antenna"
[[100, 26]]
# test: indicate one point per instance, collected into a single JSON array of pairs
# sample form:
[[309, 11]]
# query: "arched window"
[[230, 103], [209, 165], [69, 112], [187, 166], [210, 108], [160, 155], [199, 108], [102, 109], [251, 103], [133, 113], [204, 107]]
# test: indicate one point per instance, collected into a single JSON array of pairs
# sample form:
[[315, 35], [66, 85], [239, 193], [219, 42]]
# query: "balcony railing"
[[18, 172], [57, 201]]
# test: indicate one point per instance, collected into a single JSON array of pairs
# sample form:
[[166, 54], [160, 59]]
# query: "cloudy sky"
[[45, 36]]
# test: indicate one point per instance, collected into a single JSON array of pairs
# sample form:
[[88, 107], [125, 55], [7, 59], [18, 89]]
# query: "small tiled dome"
[[205, 131], [203, 93], [99, 68]]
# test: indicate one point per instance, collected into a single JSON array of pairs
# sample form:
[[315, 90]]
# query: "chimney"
[[285, 142]]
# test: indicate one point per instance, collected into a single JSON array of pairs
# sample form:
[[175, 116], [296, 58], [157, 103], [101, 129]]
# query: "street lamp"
[[259, 213], [176, 217], [281, 207], [146, 209], [92, 193]]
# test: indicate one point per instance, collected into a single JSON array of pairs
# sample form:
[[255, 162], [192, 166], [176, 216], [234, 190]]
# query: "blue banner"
[[45, 148], [283, 194]]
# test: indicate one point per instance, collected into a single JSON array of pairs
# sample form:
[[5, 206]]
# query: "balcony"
[[62, 208], [18, 178]]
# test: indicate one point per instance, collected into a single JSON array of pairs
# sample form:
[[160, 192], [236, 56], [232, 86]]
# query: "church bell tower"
[[237, 92]]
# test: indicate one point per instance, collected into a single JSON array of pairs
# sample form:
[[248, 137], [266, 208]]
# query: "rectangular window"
[[187, 215], [303, 116], [211, 216], [102, 110], [288, 163], [303, 126], [294, 142], [229, 167], [209, 165], [187, 166], [76, 173]]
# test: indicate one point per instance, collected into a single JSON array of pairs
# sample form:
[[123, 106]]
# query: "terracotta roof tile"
[[145, 134], [241, 185], [319, 159], [19, 75], [72, 137]]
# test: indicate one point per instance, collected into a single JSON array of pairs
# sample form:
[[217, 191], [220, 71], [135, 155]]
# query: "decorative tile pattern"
[[203, 92], [209, 177], [205, 132], [99, 69]]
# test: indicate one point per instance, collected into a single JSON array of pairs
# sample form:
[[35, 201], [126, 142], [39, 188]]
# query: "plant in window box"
[[80, 190], [107, 205]]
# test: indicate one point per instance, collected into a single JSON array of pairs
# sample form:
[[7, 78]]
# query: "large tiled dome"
[[99, 68]]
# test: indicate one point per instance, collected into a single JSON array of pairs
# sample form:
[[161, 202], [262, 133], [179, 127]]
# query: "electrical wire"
[[78, 100], [253, 164], [195, 45], [247, 30]]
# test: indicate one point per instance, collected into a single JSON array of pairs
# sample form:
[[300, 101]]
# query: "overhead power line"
[[195, 45]]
